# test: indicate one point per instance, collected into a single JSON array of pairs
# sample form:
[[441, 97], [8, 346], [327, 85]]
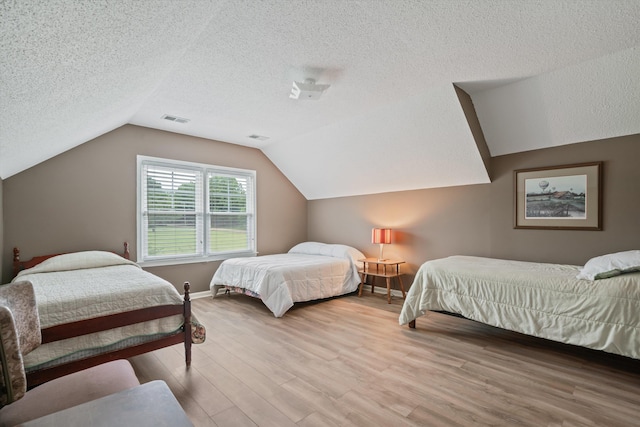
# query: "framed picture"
[[559, 197]]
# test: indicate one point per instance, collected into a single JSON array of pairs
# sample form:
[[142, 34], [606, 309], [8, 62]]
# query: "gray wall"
[[426, 224], [478, 219], [2, 264], [56, 205], [621, 208], [86, 199]]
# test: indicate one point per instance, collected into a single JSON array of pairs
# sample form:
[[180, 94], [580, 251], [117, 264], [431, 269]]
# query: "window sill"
[[194, 260]]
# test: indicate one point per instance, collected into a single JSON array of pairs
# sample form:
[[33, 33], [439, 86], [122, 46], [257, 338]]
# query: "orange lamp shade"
[[381, 235]]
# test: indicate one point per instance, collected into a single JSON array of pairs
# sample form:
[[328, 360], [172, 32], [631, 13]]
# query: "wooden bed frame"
[[103, 323]]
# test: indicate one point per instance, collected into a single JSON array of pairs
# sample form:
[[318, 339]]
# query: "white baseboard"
[[202, 294], [382, 290]]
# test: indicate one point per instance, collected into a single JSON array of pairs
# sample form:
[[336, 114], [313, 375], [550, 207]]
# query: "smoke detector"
[[308, 90]]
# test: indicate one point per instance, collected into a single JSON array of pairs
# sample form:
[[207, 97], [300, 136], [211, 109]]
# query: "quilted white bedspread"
[[283, 279], [543, 300], [70, 287]]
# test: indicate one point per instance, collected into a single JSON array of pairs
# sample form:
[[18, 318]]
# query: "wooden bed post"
[[187, 324], [126, 254], [16, 261], [412, 324]]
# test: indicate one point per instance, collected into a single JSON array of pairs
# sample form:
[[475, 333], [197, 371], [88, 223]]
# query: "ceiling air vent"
[[175, 119]]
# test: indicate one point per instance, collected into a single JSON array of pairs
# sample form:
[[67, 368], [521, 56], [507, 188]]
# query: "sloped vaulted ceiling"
[[540, 73]]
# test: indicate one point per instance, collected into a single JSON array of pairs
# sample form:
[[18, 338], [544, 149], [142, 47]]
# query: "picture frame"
[[567, 197]]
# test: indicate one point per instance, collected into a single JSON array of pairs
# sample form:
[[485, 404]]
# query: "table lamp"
[[381, 236]]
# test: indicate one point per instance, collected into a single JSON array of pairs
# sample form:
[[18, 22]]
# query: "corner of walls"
[[1, 236], [478, 219], [427, 224], [474, 126]]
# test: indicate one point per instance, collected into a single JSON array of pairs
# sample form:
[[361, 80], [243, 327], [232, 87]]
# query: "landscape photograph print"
[[556, 197], [559, 197]]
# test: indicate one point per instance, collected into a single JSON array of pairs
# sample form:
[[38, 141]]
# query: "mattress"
[[539, 299]]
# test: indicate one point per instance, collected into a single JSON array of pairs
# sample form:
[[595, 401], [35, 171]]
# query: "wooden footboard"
[[103, 323]]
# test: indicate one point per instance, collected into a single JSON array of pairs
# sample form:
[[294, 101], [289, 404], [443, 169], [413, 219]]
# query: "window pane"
[[227, 193], [228, 233], [185, 197], [171, 189], [171, 211], [171, 234]]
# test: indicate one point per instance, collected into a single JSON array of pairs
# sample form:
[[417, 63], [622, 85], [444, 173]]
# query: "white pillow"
[[310, 248], [605, 266], [333, 250], [344, 251], [77, 261]]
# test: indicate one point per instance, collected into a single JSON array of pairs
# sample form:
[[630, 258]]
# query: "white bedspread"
[[79, 292], [543, 300], [284, 279]]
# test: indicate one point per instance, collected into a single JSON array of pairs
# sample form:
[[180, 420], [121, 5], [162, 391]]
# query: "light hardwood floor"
[[347, 362]]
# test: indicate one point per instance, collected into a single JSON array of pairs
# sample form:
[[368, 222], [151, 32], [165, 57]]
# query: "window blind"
[[230, 212], [181, 217]]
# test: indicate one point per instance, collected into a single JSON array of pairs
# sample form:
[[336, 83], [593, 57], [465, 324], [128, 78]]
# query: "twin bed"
[[309, 271], [595, 306], [97, 306]]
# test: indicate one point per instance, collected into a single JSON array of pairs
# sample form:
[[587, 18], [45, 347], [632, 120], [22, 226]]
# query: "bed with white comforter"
[[309, 271], [90, 284], [593, 306]]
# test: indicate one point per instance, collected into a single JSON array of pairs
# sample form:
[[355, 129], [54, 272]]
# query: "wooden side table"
[[387, 268]]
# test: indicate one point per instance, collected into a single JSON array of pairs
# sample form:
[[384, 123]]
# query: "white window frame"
[[202, 215]]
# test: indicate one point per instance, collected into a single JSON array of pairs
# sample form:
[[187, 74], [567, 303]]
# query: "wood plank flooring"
[[347, 362]]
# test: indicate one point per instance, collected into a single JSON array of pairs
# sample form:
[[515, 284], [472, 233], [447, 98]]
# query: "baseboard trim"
[[382, 290], [202, 294]]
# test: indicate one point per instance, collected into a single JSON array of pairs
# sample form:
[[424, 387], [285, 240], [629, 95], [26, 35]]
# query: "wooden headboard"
[[18, 265]]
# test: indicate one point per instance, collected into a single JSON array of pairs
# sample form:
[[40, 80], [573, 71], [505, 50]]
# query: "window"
[[188, 212]]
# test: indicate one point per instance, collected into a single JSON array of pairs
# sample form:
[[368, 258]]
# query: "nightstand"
[[387, 268]]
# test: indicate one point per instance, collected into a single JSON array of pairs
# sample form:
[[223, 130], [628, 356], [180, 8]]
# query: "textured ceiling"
[[540, 73]]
